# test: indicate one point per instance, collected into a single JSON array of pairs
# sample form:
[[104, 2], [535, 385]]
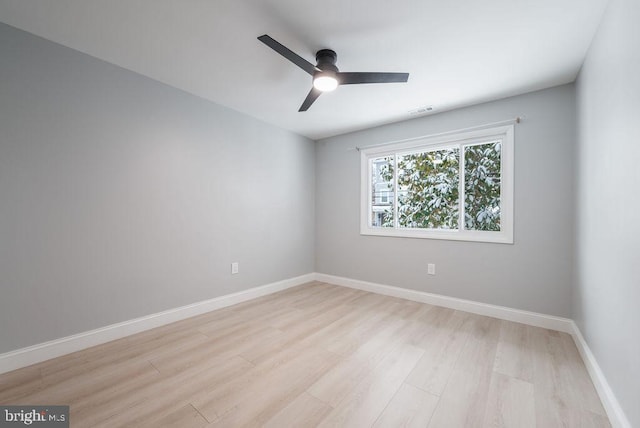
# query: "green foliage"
[[428, 188], [482, 187]]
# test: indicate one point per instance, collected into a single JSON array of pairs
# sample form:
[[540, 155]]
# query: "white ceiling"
[[458, 52]]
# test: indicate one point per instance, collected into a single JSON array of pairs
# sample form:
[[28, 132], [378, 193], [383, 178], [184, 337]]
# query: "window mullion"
[[370, 191], [395, 191], [461, 196]]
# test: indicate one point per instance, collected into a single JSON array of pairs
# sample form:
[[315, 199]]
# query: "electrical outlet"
[[234, 268], [431, 269]]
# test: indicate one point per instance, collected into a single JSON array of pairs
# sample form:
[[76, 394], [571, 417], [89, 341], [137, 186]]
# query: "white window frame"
[[503, 133]]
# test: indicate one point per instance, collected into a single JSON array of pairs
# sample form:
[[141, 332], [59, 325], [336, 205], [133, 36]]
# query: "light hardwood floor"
[[321, 355]]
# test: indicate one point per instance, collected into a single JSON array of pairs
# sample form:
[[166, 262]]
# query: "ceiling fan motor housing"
[[326, 60]]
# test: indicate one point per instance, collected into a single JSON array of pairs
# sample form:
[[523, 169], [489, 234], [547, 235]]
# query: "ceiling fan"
[[326, 76]]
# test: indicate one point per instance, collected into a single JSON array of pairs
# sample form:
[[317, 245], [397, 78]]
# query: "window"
[[457, 187]]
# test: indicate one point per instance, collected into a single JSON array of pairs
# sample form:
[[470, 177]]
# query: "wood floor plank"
[[510, 403], [463, 401], [347, 344], [220, 349], [579, 378], [559, 402], [363, 406], [340, 381], [123, 353], [303, 411], [411, 407], [105, 404], [336, 330], [180, 388], [185, 417], [442, 345], [514, 356], [306, 327], [251, 406], [19, 383], [105, 398], [73, 389]]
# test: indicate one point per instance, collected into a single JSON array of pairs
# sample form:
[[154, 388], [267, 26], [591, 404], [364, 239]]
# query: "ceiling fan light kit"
[[325, 74], [325, 82]]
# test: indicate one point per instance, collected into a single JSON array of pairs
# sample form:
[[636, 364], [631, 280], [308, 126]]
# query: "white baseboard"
[[525, 317], [611, 405], [66, 345]]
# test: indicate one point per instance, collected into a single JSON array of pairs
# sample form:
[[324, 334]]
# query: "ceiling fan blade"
[[313, 95], [357, 78], [288, 54]]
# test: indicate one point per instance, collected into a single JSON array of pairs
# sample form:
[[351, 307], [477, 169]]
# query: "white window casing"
[[504, 134]]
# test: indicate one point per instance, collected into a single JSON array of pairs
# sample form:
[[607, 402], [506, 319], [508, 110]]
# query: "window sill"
[[449, 235]]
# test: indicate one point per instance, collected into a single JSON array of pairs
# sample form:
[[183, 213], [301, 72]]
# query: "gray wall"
[[121, 197], [533, 274], [606, 300]]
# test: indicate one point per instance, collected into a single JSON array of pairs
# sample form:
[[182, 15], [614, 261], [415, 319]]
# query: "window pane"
[[428, 189], [482, 186], [382, 192]]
